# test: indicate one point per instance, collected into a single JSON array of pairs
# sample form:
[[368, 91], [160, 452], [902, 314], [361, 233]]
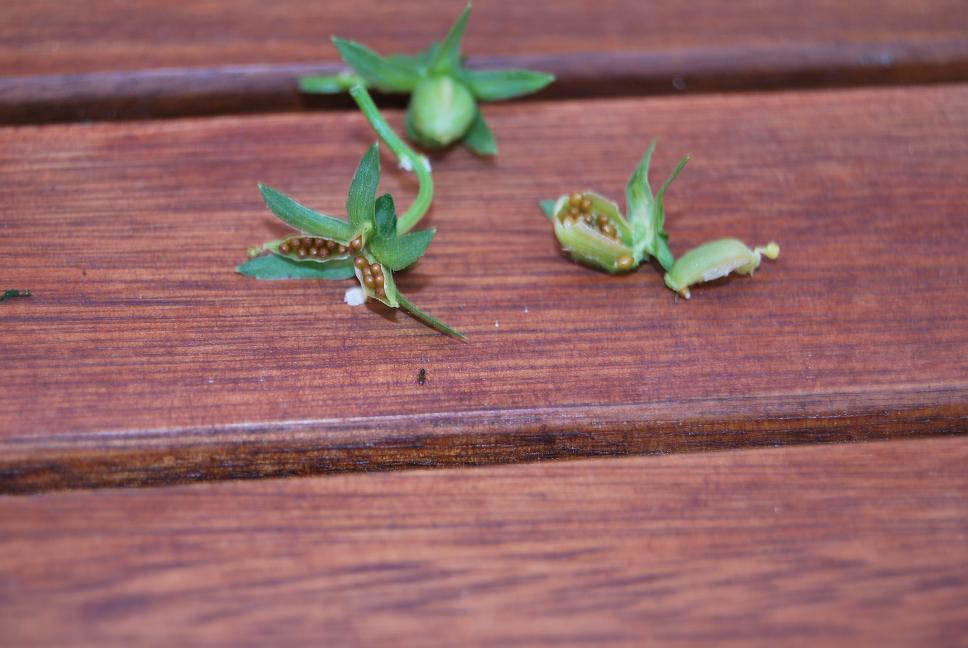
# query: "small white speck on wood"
[[354, 296]]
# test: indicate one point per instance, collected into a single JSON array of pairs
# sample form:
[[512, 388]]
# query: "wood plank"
[[106, 59], [861, 544], [143, 359]]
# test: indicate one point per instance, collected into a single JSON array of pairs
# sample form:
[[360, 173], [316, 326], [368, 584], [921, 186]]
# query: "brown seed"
[[586, 205], [284, 248], [368, 281], [323, 252], [301, 252], [374, 267], [331, 244], [625, 262], [359, 262], [608, 230], [574, 199], [588, 219], [602, 220], [380, 292], [295, 242], [569, 220], [356, 244], [341, 249], [573, 211], [313, 251]]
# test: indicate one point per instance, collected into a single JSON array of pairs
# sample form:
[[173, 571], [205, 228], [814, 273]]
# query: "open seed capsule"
[[598, 236], [714, 260], [376, 281], [314, 248]]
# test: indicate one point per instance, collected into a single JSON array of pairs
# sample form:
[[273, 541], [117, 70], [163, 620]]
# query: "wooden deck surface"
[[859, 544], [143, 359], [105, 59], [811, 488]]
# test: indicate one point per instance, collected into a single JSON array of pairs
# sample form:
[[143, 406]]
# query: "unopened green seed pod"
[[591, 239], [716, 259], [441, 111]]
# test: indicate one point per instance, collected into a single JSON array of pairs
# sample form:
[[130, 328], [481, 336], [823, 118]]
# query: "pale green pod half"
[[441, 111], [716, 259]]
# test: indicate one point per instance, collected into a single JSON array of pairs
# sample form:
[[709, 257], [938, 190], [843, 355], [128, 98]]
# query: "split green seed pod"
[[585, 241], [714, 260]]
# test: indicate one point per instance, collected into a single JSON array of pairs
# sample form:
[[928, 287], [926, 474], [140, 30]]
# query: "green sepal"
[[329, 83], [646, 213], [272, 266], [549, 208], [429, 319], [495, 85], [446, 58], [360, 199], [305, 219], [402, 252], [394, 74], [385, 221], [479, 137]]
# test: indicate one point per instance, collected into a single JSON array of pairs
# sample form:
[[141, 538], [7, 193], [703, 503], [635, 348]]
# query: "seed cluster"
[[319, 248], [372, 275], [580, 208]]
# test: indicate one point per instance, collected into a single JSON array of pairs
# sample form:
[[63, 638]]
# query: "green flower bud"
[[441, 111], [593, 231], [714, 260]]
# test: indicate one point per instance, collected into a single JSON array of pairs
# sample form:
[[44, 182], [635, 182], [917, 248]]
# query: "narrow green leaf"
[[399, 253], [548, 207], [429, 319], [638, 195], [495, 85], [479, 137], [386, 218], [447, 56], [359, 201], [303, 218], [395, 74], [328, 84], [272, 266]]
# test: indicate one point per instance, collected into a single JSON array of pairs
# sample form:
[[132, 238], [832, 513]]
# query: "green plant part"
[[591, 228], [12, 294], [444, 95], [369, 244], [714, 260]]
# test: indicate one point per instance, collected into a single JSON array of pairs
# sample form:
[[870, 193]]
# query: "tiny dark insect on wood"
[[422, 376]]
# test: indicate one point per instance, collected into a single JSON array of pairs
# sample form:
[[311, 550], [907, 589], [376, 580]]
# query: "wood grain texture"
[[106, 59], [143, 359], [861, 545]]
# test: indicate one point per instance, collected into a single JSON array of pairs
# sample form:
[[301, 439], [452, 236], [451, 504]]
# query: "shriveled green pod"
[[714, 260], [591, 229]]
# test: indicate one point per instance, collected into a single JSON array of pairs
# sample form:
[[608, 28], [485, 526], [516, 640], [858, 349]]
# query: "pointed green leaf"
[[447, 56], [429, 319], [328, 84], [495, 85], [638, 195], [395, 74], [548, 207], [399, 253], [386, 218], [479, 137], [359, 202], [272, 266], [304, 219]]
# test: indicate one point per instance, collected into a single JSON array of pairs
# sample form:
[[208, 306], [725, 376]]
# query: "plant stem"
[[408, 158], [429, 319]]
